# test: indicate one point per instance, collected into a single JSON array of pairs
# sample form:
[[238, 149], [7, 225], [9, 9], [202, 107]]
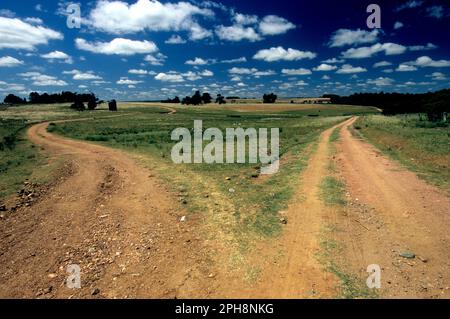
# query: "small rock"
[[183, 219], [422, 259], [228, 178], [2, 208], [231, 190], [283, 221], [96, 291], [211, 276], [51, 276], [407, 254]]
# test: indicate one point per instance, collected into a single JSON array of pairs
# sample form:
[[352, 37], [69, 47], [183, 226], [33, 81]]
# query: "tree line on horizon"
[[434, 104]]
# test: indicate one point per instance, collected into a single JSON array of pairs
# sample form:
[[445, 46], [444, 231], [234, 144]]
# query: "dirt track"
[[112, 218]]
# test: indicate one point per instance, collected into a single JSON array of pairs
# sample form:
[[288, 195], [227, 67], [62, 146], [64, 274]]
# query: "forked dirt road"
[[122, 227]]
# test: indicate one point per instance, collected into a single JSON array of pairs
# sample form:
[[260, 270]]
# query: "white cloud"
[[238, 60], [42, 79], [343, 37], [273, 25], [242, 71], [429, 46], [34, 20], [175, 39], [382, 64], [118, 46], [138, 71], [237, 33], [83, 76], [118, 17], [367, 52], [196, 61], [333, 60], [9, 62], [159, 59], [164, 77], [245, 19], [325, 77], [207, 73], [325, 67], [438, 76], [398, 25], [349, 69], [381, 81], [436, 12], [300, 71], [19, 35], [406, 68], [279, 53], [127, 81], [58, 55], [426, 61], [410, 5]]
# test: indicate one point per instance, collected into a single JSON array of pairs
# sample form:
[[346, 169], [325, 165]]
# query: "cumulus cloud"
[[292, 72], [382, 64], [242, 71], [237, 33], [367, 52], [245, 19], [381, 81], [175, 39], [237, 60], [273, 25], [157, 59], [429, 46], [168, 77], [349, 69], [19, 35], [196, 61], [343, 37], [119, 17], [127, 81], [436, 12], [9, 62], [279, 53], [58, 55], [118, 46], [409, 5], [406, 68], [83, 76], [325, 67], [426, 61], [438, 76], [138, 72], [43, 79], [398, 25]]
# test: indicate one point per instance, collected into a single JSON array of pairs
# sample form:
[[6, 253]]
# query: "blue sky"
[[146, 50]]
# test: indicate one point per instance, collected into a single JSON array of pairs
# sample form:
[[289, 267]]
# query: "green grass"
[[419, 145], [19, 159], [332, 191]]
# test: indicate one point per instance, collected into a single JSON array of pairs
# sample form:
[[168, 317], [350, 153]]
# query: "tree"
[[13, 99], [220, 99], [206, 98], [112, 106], [269, 98], [196, 99]]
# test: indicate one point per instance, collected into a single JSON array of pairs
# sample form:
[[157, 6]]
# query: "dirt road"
[[391, 212], [122, 227], [114, 220]]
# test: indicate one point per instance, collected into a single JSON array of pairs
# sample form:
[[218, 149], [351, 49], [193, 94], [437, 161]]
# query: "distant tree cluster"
[[176, 100], [269, 98], [434, 104], [78, 100], [14, 100], [197, 99]]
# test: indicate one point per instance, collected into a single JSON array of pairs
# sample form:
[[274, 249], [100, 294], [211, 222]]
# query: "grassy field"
[[419, 145]]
